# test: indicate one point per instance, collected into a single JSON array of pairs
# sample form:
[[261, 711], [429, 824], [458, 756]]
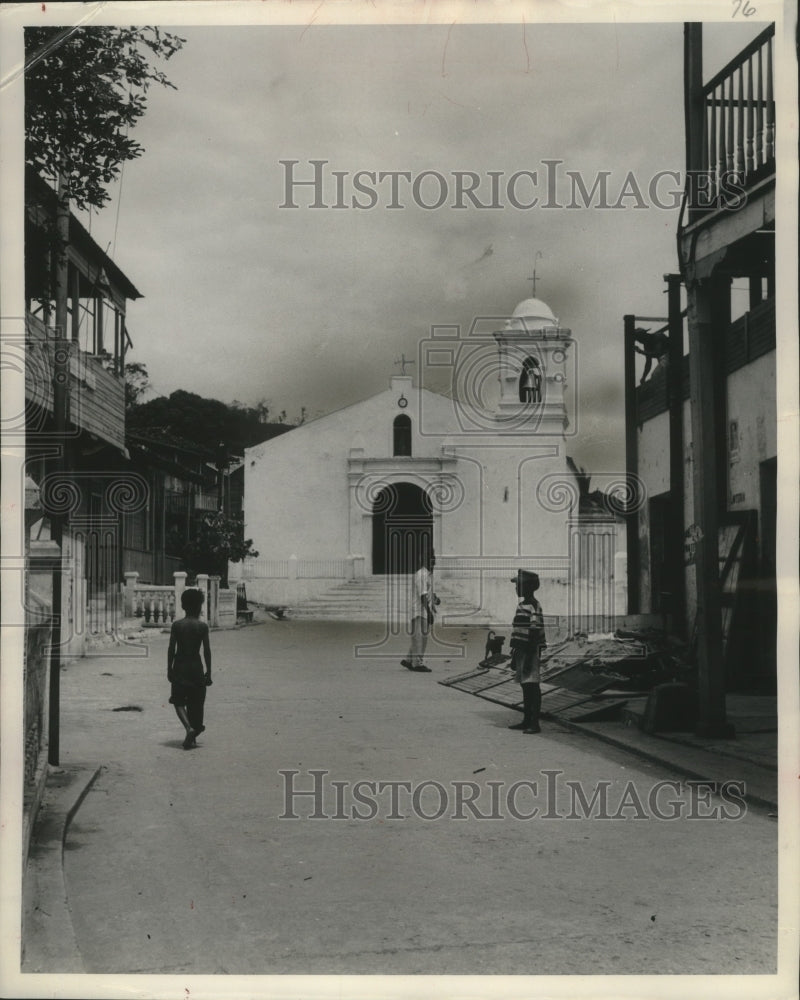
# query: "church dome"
[[532, 314]]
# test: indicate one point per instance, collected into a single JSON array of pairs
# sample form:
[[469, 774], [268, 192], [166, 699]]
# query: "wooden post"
[[75, 295], [770, 116], [676, 573], [759, 158], [631, 464], [721, 320], [61, 377], [755, 285], [749, 121], [740, 143], [123, 342], [711, 719], [694, 109], [99, 302]]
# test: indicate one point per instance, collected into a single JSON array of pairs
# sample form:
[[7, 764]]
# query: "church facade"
[[479, 475]]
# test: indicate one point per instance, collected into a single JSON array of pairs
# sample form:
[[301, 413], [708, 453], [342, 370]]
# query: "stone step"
[[373, 600]]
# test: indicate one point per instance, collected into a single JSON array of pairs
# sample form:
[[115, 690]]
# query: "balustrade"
[[156, 605], [738, 146]]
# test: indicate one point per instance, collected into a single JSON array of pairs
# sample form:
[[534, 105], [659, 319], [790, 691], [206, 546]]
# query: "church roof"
[[532, 314]]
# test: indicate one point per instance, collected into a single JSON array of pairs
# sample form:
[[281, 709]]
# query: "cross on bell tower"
[[403, 361]]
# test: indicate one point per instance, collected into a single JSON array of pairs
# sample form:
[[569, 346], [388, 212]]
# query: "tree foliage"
[[582, 477], [220, 540], [205, 422], [85, 89], [137, 380]]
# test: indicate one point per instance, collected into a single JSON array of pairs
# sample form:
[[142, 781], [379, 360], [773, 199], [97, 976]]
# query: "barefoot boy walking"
[[185, 669]]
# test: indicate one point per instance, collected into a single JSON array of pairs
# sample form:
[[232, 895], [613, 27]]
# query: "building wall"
[[498, 495], [297, 493], [751, 404]]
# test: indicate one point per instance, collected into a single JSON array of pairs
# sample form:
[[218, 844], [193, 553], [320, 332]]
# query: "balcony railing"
[[738, 147], [192, 501], [96, 396]]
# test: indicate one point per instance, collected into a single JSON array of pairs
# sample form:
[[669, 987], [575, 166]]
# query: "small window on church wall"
[[402, 435], [530, 381]]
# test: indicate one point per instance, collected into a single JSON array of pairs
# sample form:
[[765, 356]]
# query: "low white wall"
[[286, 593]]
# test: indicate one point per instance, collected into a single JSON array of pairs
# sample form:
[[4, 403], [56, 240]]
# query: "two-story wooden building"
[[701, 431], [81, 468]]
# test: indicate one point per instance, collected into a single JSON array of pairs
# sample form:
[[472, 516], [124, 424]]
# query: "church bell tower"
[[534, 356]]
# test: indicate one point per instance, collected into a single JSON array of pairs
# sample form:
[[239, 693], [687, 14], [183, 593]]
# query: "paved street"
[[178, 861]]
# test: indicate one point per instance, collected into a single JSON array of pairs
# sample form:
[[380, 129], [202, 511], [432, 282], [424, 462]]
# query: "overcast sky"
[[248, 300]]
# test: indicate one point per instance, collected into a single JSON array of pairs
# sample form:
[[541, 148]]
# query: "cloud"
[[251, 296]]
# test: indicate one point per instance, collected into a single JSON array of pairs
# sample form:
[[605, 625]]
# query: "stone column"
[[131, 580], [213, 601], [180, 585], [357, 493], [202, 584]]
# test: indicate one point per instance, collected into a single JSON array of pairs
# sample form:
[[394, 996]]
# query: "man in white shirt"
[[423, 608]]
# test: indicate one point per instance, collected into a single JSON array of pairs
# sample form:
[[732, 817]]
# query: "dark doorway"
[[660, 548], [402, 529], [667, 579]]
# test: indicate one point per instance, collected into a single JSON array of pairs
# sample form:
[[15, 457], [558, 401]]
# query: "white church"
[[341, 508]]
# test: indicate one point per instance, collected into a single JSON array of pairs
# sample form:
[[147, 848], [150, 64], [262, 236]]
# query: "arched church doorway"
[[402, 528]]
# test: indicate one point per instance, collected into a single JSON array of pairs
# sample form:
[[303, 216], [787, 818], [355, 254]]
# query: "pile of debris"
[[631, 661], [584, 677]]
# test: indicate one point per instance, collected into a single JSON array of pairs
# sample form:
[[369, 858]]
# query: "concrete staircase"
[[378, 599]]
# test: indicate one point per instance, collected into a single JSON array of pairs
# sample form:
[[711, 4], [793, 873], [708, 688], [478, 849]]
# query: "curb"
[[654, 758], [48, 937]]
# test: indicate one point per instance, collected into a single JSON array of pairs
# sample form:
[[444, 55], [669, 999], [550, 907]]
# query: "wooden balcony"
[[96, 396], [730, 159], [738, 111]]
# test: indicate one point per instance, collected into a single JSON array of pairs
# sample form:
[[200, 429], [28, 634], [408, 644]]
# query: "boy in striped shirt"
[[527, 642]]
